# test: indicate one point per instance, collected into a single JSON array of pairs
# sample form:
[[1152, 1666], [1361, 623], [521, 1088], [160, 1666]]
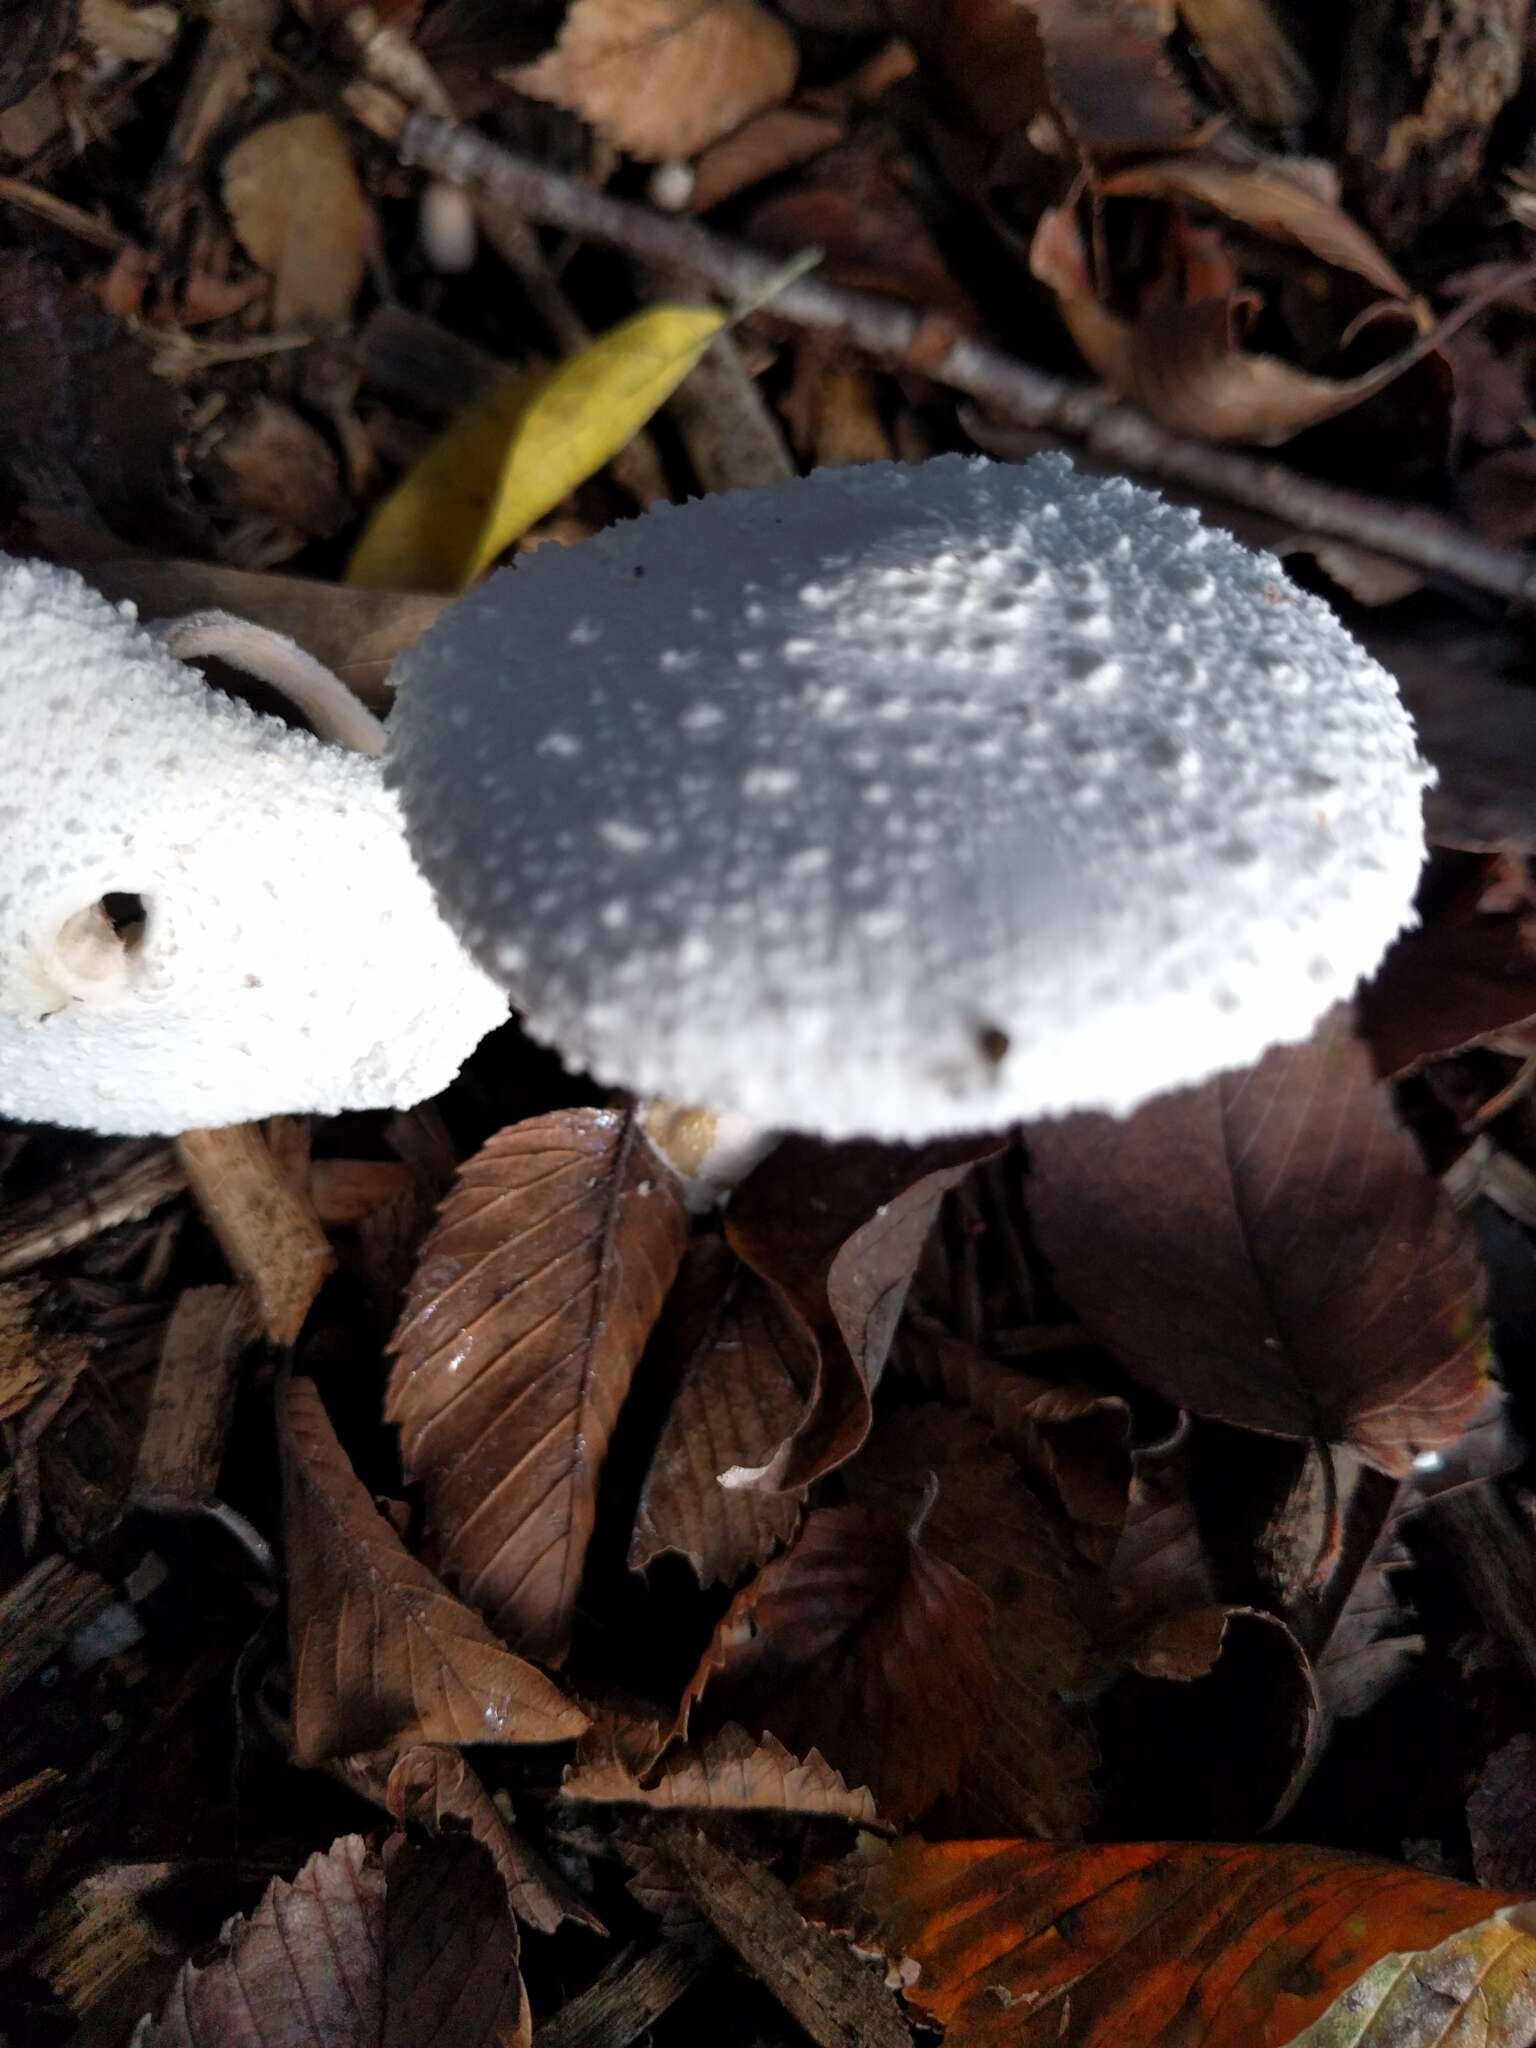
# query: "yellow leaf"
[[513, 456], [1476, 1990]]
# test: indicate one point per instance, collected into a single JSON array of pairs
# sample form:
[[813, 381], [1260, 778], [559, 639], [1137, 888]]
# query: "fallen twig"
[[932, 344]]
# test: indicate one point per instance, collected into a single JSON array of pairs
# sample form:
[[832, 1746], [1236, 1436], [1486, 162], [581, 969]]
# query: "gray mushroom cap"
[[905, 800]]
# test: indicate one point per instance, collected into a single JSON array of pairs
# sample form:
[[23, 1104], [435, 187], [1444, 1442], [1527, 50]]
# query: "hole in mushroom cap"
[[93, 948], [992, 1044]]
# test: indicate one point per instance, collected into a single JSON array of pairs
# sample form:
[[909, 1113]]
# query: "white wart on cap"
[[899, 801], [289, 955]]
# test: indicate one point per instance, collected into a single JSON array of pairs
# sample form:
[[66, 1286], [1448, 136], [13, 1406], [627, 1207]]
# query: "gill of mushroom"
[[906, 801], [206, 916]]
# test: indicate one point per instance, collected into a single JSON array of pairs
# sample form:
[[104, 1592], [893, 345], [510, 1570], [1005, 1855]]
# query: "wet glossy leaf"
[[1022, 1945], [532, 1301], [380, 1651]]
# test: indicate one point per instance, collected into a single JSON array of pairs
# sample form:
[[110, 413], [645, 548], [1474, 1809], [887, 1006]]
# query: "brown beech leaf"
[[665, 78], [859, 1644], [1501, 1816], [1032, 1767], [1188, 1945], [433, 1785], [1306, 1276], [844, 1259], [748, 1362], [380, 1651], [729, 1772], [361, 1951], [1269, 196], [1466, 971], [1244, 43], [300, 213], [1068, 1435], [530, 1306]]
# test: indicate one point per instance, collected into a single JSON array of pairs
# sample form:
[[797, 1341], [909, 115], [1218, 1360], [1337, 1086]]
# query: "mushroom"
[[205, 915], [898, 801]]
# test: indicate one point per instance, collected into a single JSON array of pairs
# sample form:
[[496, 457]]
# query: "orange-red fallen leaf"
[[297, 207], [665, 78], [361, 1951], [1310, 1280], [433, 1785], [531, 1303], [1031, 1770], [747, 1364], [845, 1262], [729, 1772], [859, 1644], [1022, 1945], [380, 1651]]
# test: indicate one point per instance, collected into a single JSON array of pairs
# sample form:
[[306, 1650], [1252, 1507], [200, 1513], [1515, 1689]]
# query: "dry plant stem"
[[638, 1986], [1495, 1558], [929, 343], [330, 707]]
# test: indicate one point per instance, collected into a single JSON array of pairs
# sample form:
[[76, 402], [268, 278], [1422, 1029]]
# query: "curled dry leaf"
[[380, 1651], [299, 211], [845, 1262], [1224, 1947], [1069, 1436], [1112, 80], [747, 1363], [434, 1785], [1033, 1760], [729, 1772], [1268, 195], [1311, 1280], [1184, 363], [665, 78], [1245, 43], [858, 1643], [527, 1315], [361, 1951]]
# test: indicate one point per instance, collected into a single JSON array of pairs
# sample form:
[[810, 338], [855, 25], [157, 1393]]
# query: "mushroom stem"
[[323, 698], [710, 1151]]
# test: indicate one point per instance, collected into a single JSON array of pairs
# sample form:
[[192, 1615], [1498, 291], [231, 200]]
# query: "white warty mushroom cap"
[[292, 957], [901, 801]]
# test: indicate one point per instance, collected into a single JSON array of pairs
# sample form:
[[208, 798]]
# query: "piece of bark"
[[816, 1977], [193, 1396], [144, 1183], [41, 1612], [638, 1986], [266, 1229]]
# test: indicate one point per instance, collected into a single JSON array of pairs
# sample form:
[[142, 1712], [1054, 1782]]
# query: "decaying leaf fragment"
[[858, 1643], [297, 207], [531, 1304], [361, 1951], [1306, 1276], [665, 78], [380, 1651]]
